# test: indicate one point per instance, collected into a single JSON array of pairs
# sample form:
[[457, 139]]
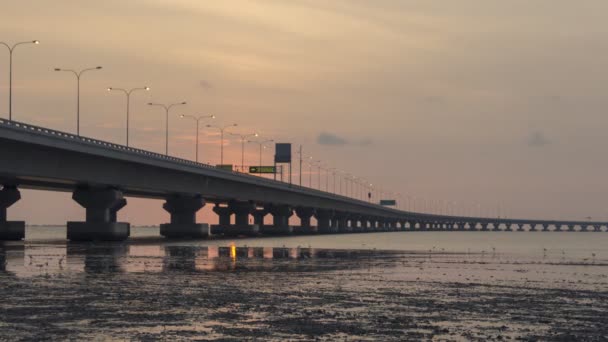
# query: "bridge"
[[101, 174]]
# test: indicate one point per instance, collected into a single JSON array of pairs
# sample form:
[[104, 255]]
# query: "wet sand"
[[152, 290]]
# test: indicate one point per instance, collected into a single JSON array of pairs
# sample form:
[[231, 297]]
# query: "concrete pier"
[[324, 218], [183, 224], [241, 211], [305, 214], [280, 220], [102, 205], [10, 230], [341, 221]]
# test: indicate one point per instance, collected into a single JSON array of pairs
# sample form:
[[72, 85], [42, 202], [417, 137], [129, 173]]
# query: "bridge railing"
[[139, 152]]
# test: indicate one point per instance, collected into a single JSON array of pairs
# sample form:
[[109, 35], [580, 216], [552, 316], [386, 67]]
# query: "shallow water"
[[373, 286]]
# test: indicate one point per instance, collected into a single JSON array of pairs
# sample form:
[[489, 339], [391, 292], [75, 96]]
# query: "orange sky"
[[485, 102]]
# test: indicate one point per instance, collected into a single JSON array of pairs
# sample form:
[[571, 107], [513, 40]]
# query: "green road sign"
[[388, 202], [225, 167], [262, 169]]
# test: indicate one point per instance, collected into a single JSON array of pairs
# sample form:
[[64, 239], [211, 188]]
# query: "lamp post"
[[198, 120], [10, 73], [333, 172], [346, 179], [167, 109], [243, 140], [78, 74], [319, 167], [261, 144], [310, 172], [128, 94], [221, 129]]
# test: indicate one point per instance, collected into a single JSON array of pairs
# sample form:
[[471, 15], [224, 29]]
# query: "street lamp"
[[10, 73], [167, 108], [310, 172], [319, 167], [243, 140], [221, 129], [261, 143], [128, 94], [78, 74], [198, 120]]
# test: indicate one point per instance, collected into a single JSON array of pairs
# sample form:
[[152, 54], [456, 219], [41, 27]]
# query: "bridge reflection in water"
[[23, 260]]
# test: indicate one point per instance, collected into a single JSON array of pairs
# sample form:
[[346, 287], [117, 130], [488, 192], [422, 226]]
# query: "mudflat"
[[181, 291]]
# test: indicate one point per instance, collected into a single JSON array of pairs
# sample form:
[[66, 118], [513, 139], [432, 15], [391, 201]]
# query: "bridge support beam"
[[241, 211], [223, 214], [356, 224], [324, 218], [280, 220], [10, 230], [183, 224], [101, 207], [305, 214], [341, 220]]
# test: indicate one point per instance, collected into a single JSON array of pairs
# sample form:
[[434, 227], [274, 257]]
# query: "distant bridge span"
[[100, 174]]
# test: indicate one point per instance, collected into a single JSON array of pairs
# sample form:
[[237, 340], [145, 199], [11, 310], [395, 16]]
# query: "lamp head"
[[213, 116], [109, 88], [57, 69], [234, 125], [36, 42], [208, 126], [146, 88], [150, 104], [183, 103], [99, 67], [181, 116]]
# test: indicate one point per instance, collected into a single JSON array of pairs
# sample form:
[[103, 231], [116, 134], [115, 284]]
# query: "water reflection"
[[114, 258], [96, 259]]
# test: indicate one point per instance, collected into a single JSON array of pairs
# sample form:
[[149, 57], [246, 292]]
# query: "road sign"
[[262, 169], [388, 202], [282, 153], [227, 167]]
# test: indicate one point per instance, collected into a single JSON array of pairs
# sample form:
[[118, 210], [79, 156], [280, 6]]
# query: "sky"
[[495, 107]]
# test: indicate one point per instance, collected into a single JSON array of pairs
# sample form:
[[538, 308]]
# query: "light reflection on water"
[[530, 244], [45, 253]]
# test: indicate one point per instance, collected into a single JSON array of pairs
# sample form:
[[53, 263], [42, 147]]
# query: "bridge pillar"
[[280, 220], [258, 216], [570, 227], [10, 230], [545, 227], [241, 211], [341, 220], [366, 224], [484, 227], [509, 227], [223, 214], [324, 218], [183, 211], [520, 227], [597, 228], [101, 206], [357, 224], [305, 214]]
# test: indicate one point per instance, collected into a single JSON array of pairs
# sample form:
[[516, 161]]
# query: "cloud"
[[325, 138], [205, 84], [538, 139], [330, 139]]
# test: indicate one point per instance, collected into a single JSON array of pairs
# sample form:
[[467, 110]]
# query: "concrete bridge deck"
[[100, 174]]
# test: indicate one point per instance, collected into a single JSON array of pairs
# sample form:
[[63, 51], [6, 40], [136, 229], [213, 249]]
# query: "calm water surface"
[[452, 286]]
